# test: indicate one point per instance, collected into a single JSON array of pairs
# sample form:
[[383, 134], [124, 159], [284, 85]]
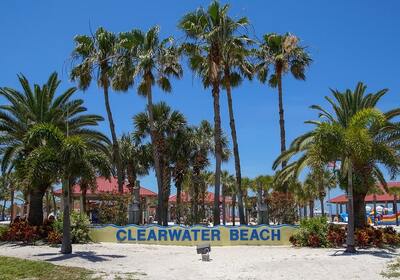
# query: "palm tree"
[[37, 105], [153, 62], [367, 140], [181, 151], [167, 123], [228, 185], [235, 65], [208, 30], [135, 158], [283, 53], [262, 185], [201, 147], [68, 158], [95, 56], [345, 106]]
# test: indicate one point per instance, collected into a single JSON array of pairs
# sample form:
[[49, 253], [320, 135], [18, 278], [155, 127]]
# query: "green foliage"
[[312, 232], [282, 209], [80, 227], [113, 209]]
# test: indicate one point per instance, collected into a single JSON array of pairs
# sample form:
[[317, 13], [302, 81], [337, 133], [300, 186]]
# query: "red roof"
[[108, 186], [209, 198], [370, 198]]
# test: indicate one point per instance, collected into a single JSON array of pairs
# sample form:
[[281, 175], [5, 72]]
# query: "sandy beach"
[[239, 262]]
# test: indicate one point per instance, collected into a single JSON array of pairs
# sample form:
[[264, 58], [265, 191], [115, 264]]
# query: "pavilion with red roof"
[[382, 197], [110, 186]]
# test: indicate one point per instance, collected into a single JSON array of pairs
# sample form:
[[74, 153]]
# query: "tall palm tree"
[[31, 106], [164, 126], [207, 31], [152, 62], [283, 53], [235, 66], [95, 56]]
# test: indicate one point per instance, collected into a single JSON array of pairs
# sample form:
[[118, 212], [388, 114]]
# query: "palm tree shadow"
[[86, 255], [387, 253]]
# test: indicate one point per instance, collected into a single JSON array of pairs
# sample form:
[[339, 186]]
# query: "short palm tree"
[[345, 105], [32, 106], [164, 126], [367, 140], [207, 31], [282, 53], [135, 158], [262, 185], [228, 187], [68, 158], [95, 56]]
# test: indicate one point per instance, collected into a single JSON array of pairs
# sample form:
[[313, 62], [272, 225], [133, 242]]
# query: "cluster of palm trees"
[[47, 138], [218, 50], [354, 137]]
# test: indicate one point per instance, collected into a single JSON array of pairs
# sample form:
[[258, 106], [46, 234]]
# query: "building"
[[208, 205], [110, 186], [381, 197]]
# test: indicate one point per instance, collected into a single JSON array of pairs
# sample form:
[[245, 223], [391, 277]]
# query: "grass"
[[14, 268], [393, 270]]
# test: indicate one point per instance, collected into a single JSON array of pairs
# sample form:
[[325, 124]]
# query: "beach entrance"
[[190, 236]]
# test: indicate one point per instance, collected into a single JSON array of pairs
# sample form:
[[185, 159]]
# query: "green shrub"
[[312, 232], [3, 231], [80, 227]]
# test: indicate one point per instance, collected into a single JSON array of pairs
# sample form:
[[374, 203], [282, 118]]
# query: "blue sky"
[[350, 41]]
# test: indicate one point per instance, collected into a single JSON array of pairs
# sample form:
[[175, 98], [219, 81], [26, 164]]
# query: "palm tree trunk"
[[223, 206], [281, 113], [350, 226], [166, 193], [66, 246], [235, 149], [54, 201], [233, 209], [12, 214], [156, 156], [48, 206], [374, 209], [3, 210], [115, 146], [321, 199], [395, 209], [35, 212], [178, 185], [83, 201], [218, 152], [311, 204]]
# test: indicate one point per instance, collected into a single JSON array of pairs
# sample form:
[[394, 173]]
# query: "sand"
[[238, 262]]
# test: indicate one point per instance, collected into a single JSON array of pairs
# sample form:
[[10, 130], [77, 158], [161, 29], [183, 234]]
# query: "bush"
[[80, 227], [54, 237], [3, 230], [336, 235], [282, 208], [22, 231], [113, 209], [315, 232], [312, 232]]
